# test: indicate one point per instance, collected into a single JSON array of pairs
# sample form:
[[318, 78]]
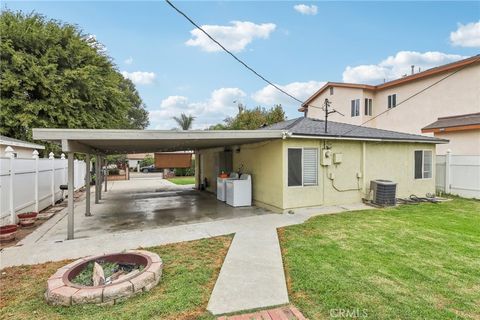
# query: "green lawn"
[[411, 262], [189, 274], [182, 180]]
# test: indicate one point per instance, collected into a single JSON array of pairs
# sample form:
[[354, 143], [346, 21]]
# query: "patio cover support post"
[[97, 179], [106, 173], [70, 195], [100, 176], [88, 179]]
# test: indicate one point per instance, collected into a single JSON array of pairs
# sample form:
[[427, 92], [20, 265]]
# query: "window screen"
[[368, 107], [310, 165], [355, 109], [294, 167], [418, 164], [427, 164]]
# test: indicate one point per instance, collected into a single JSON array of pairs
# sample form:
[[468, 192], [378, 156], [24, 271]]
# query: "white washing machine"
[[221, 186], [239, 191]]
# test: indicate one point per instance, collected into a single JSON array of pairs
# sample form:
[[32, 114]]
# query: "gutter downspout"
[[364, 170]]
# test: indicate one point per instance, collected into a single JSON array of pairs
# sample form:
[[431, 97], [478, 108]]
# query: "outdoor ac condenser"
[[384, 192]]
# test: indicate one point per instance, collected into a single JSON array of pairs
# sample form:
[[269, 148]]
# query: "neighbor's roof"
[[312, 127], [455, 123], [7, 141], [427, 73]]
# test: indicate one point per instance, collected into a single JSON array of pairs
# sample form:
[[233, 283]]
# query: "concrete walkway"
[[251, 277]]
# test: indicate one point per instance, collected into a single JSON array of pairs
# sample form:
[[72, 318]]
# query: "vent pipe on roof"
[[413, 69]]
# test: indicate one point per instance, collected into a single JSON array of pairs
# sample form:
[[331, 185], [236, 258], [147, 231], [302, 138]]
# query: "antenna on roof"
[[327, 112]]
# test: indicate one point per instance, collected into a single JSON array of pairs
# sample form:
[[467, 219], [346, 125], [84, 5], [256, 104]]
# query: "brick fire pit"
[[61, 290]]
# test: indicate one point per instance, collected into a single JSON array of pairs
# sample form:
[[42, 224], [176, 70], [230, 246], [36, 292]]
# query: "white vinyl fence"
[[458, 175], [32, 184]]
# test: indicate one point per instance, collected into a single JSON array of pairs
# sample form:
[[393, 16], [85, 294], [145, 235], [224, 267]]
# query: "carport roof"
[[107, 141]]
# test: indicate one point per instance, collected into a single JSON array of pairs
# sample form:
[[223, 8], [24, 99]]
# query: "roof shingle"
[[312, 127]]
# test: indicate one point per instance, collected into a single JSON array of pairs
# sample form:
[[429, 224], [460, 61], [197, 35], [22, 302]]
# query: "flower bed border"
[[60, 291]]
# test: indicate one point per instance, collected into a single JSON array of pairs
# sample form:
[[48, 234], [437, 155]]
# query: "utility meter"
[[326, 159]]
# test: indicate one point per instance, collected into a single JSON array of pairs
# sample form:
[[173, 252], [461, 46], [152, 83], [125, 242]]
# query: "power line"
[[230, 53], [410, 97], [285, 92]]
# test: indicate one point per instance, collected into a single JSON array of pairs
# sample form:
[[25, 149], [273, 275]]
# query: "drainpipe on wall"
[[364, 166]]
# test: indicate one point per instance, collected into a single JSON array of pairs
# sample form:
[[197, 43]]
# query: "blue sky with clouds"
[[298, 45]]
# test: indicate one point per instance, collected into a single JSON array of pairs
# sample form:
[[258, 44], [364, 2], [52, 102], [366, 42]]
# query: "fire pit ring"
[[62, 291]]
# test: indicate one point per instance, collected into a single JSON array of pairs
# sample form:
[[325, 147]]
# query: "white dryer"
[[239, 191], [221, 186]]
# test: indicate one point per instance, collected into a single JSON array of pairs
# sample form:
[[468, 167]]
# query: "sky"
[[297, 45]]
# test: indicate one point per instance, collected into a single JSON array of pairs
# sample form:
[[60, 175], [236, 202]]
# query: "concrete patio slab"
[[146, 203]]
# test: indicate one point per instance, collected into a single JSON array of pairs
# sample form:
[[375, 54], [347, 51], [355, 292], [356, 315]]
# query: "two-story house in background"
[[443, 101]]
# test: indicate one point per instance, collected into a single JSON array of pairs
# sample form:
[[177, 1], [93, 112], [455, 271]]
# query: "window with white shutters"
[[310, 166], [302, 167]]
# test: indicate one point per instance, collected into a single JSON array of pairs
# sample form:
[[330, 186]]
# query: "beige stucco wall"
[[461, 142], [264, 161], [208, 169], [341, 101], [267, 163], [456, 95]]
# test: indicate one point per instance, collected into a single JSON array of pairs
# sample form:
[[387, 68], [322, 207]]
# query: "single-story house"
[[21, 149], [462, 131], [311, 168], [293, 164], [134, 159]]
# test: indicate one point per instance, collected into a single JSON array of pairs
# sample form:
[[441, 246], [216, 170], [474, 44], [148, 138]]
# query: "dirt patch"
[[22, 233]]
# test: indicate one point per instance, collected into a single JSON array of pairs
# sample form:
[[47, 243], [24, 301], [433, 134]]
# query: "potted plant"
[[27, 219], [8, 232], [223, 174]]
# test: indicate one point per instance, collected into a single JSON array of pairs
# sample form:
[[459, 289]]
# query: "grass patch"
[[182, 180], [189, 274], [410, 262]]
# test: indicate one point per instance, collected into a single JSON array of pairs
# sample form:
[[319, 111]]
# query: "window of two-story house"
[[331, 91], [355, 109], [368, 107], [423, 164], [392, 101]]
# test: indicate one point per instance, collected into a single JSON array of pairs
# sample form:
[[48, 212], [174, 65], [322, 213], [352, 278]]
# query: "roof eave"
[[334, 137]]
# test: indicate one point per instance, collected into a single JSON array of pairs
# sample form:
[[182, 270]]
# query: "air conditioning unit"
[[384, 192]]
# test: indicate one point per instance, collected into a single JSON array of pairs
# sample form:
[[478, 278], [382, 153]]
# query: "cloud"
[[396, 66], [235, 37], [467, 35], [129, 60], [306, 9], [269, 96], [211, 111], [140, 77]]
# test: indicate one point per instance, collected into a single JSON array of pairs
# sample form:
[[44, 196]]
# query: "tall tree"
[[251, 119], [184, 121], [54, 75]]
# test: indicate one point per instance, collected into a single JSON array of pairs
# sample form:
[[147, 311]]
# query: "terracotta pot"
[[8, 232], [27, 219]]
